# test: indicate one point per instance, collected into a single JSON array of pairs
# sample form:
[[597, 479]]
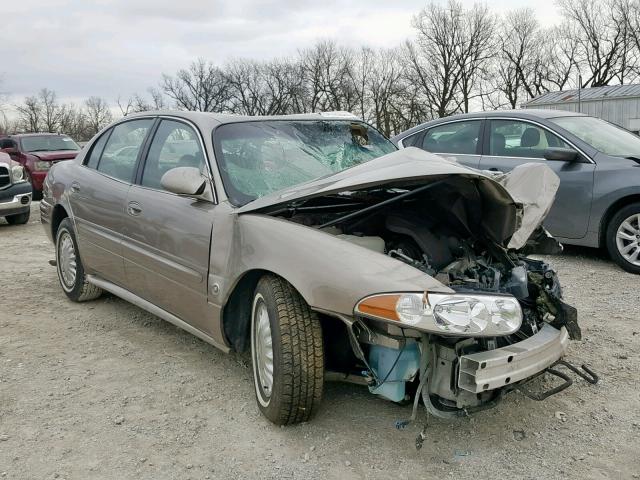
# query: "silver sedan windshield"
[[258, 158]]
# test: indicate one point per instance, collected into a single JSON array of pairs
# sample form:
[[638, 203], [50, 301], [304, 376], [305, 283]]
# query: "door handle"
[[496, 171], [75, 187], [134, 209]]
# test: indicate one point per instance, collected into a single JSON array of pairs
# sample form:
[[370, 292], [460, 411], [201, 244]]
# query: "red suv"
[[36, 152]]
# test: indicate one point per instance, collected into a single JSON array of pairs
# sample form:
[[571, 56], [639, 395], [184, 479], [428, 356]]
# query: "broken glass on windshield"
[[258, 158]]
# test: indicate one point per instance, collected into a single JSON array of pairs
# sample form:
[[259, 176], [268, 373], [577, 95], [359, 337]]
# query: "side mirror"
[[186, 181], [561, 154]]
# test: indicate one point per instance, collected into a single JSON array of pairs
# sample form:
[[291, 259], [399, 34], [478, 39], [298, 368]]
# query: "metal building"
[[619, 104]]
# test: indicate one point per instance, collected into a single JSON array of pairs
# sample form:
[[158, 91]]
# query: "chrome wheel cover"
[[67, 261], [628, 239], [262, 346]]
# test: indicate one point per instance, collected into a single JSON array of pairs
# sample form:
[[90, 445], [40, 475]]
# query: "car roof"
[[524, 113], [222, 118]]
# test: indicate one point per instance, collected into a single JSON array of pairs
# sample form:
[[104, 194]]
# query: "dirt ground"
[[106, 390]]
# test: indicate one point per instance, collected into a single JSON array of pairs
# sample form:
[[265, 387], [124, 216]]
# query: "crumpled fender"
[[330, 273]]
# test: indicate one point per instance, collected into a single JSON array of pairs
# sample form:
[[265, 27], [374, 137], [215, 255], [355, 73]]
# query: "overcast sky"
[[108, 48]]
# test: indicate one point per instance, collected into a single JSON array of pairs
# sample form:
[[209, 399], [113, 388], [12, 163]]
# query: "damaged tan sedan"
[[313, 242]]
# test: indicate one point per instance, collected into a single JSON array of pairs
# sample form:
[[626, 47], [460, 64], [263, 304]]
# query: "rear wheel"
[[69, 266], [623, 238], [19, 219], [287, 353]]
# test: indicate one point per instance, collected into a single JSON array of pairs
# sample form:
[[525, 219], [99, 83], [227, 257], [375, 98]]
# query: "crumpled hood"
[[56, 155], [406, 165], [516, 208]]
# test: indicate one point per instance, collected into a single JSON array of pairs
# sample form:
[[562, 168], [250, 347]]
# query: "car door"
[[460, 140], [167, 237], [512, 142], [98, 195]]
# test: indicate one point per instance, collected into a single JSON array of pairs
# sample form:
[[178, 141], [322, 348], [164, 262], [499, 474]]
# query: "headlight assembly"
[[17, 174], [456, 314], [42, 166]]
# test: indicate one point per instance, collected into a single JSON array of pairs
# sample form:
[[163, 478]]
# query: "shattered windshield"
[[258, 158]]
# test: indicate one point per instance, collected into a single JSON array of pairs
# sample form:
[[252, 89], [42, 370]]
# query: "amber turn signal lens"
[[381, 306]]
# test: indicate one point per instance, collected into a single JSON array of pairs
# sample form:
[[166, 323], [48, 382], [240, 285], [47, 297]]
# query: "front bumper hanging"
[[493, 369]]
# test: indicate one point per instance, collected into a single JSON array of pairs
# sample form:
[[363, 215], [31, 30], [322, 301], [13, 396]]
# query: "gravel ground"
[[106, 390]]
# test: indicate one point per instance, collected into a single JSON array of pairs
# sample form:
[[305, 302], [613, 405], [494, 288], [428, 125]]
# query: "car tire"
[[623, 238], [19, 219], [287, 353], [70, 270]]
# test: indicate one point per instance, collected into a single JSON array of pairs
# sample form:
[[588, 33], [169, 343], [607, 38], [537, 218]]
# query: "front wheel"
[[623, 238], [287, 353], [71, 274]]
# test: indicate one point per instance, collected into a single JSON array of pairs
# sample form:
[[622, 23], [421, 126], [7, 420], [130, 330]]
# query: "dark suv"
[[36, 152]]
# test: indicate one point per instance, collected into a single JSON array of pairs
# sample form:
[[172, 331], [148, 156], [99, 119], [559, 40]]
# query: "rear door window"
[[514, 138], [455, 137], [121, 151]]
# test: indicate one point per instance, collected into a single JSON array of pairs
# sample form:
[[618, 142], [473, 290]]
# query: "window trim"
[[143, 160], [487, 139], [153, 117], [479, 146], [87, 157]]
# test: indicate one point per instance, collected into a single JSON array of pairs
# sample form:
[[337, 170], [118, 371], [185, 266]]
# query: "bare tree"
[[521, 56], [477, 48], [434, 59], [559, 52], [326, 73], [50, 109], [98, 115], [202, 87], [30, 114], [137, 103], [384, 85], [604, 52]]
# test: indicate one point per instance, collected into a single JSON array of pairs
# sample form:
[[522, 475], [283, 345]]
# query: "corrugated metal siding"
[[596, 93]]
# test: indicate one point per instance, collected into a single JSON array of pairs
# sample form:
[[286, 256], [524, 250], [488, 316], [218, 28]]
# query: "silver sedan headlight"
[[456, 314]]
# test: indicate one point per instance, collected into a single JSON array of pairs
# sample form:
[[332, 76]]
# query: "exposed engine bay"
[[441, 230]]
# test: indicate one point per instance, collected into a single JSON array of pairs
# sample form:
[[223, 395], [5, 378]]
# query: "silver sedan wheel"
[[628, 239], [67, 261], [262, 345]]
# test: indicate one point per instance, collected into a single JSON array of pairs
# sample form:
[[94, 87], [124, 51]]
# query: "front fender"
[[330, 273]]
